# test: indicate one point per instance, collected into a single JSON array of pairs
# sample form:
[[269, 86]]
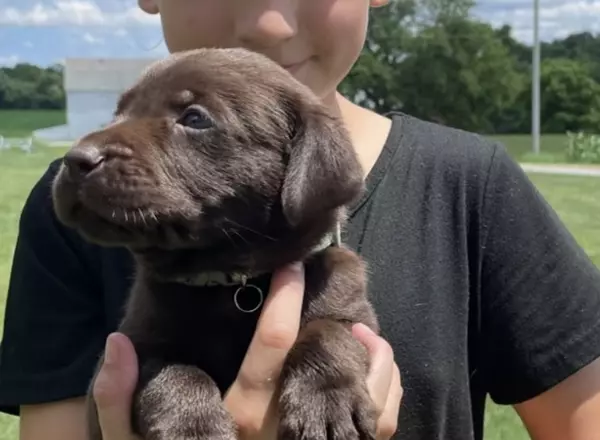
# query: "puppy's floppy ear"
[[323, 172]]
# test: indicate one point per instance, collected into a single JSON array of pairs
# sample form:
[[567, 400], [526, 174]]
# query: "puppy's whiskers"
[[229, 237], [135, 216], [240, 235], [142, 217], [249, 229]]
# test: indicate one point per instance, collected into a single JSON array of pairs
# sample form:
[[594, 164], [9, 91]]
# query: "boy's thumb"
[[114, 386]]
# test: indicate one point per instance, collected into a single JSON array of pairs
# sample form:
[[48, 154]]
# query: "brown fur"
[[256, 184]]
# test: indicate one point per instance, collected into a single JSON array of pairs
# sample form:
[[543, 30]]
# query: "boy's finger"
[[114, 386], [382, 364], [276, 331], [250, 396], [388, 422]]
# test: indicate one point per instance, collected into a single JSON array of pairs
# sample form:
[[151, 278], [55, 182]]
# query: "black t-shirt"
[[479, 287]]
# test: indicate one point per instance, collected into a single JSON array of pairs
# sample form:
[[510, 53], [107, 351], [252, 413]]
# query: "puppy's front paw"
[[207, 423], [180, 402], [309, 412]]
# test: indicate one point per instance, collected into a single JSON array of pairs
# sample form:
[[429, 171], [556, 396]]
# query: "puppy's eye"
[[195, 118]]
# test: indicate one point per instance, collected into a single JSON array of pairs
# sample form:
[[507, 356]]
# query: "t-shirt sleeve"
[[540, 292], [54, 322]]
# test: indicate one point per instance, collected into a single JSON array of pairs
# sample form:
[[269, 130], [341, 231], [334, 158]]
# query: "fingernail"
[[296, 267], [111, 351], [364, 328]]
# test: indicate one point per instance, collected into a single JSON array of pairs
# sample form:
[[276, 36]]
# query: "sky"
[[46, 31]]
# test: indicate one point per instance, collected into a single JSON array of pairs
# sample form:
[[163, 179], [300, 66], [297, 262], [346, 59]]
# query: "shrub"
[[583, 147]]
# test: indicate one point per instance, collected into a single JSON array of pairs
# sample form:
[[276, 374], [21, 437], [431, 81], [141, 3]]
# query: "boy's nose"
[[267, 27]]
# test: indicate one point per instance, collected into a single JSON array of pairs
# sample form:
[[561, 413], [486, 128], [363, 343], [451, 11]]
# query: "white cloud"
[[121, 33], [74, 13], [558, 18], [9, 61], [91, 39]]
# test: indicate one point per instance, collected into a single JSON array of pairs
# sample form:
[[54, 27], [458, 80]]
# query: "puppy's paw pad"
[[206, 425], [334, 414], [228, 436], [188, 435]]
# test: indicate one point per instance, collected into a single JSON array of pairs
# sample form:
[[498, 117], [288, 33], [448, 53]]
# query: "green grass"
[[18, 173], [520, 146], [20, 123], [573, 197]]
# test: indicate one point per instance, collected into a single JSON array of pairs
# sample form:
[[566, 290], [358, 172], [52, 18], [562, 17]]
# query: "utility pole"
[[535, 79]]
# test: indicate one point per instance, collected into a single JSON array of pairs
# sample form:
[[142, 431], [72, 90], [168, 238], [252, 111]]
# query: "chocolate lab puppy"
[[218, 168]]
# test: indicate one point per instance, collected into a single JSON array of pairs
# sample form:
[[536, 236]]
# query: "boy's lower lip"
[[292, 68]]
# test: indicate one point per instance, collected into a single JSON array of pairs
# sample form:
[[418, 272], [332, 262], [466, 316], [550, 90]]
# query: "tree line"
[[27, 86], [434, 60], [443, 65]]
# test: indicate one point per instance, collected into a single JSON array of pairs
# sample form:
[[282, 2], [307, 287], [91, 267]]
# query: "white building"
[[92, 87]]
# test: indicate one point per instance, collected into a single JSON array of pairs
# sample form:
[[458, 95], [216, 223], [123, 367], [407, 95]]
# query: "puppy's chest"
[[198, 326], [195, 325]]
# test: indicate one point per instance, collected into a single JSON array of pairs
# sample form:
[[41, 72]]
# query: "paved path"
[[567, 170]]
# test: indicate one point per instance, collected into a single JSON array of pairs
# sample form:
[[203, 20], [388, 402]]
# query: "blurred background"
[[467, 64]]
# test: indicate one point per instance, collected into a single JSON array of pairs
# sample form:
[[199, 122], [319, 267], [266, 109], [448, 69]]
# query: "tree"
[[570, 97], [521, 52], [373, 79], [428, 58], [26, 86], [439, 11], [583, 47], [373, 82], [460, 74]]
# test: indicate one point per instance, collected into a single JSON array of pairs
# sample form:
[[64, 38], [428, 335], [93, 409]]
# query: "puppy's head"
[[212, 150]]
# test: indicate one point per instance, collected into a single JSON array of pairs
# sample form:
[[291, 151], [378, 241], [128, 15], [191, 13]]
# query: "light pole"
[[535, 79]]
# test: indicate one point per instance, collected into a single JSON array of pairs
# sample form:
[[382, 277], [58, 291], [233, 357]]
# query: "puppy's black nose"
[[82, 160]]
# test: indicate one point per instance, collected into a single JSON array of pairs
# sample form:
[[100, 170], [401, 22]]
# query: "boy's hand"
[[250, 399], [114, 387]]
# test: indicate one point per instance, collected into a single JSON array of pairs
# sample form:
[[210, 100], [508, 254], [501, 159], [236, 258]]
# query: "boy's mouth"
[[294, 67]]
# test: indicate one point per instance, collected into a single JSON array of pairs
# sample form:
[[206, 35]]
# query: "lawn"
[[18, 172], [573, 197], [576, 201], [20, 123], [552, 147]]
